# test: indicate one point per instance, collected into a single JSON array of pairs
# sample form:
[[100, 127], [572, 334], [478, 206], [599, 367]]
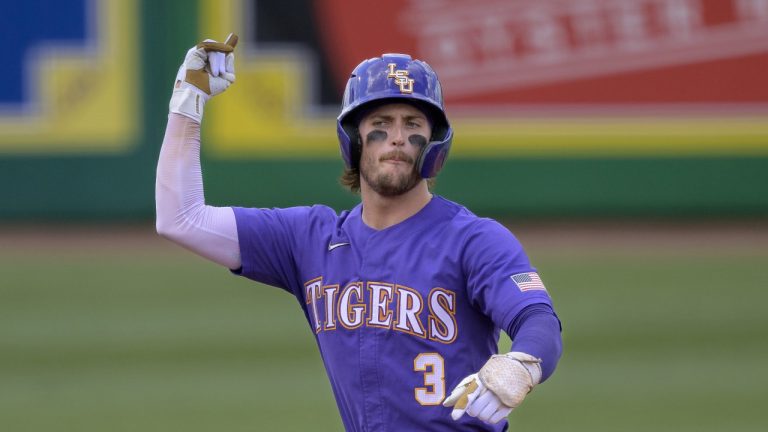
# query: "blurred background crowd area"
[[625, 142], [588, 108]]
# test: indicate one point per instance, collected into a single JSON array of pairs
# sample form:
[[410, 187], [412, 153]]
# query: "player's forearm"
[[182, 215], [505, 380], [536, 331]]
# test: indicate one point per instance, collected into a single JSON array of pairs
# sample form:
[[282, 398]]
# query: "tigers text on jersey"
[[400, 315]]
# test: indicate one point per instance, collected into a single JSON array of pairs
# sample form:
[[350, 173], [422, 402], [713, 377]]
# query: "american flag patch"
[[528, 281]]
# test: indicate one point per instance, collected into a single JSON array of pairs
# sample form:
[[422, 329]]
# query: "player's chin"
[[395, 185]]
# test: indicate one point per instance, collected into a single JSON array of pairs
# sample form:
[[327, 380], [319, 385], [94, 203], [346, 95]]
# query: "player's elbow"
[[175, 227], [167, 222], [172, 232], [166, 228]]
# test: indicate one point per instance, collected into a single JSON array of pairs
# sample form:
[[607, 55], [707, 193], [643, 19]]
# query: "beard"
[[389, 184]]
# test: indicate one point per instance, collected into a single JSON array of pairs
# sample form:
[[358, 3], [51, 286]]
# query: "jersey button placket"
[[370, 369]]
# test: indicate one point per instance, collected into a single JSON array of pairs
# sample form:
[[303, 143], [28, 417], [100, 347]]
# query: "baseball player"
[[407, 292]]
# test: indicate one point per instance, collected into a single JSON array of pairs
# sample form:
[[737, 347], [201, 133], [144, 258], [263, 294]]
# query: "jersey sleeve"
[[501, 281], [270, 250]]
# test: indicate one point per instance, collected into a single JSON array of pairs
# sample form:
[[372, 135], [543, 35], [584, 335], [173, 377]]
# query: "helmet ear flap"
[[433, 156], [356, 146], [350, 144]]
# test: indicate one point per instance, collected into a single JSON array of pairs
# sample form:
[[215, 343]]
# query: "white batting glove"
[[208, 70], [499, 387]]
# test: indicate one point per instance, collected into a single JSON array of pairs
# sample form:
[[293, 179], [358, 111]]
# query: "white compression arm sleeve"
[[182, 215]]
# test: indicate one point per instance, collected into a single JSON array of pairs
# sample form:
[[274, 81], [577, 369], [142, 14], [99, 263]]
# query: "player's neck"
[[380, 212]]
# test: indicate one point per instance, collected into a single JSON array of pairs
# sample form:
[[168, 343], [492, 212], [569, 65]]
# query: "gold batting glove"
[[208, 69], [499, 387]]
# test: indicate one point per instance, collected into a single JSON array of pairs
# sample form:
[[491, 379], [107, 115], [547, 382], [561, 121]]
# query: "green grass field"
[[125, 332]]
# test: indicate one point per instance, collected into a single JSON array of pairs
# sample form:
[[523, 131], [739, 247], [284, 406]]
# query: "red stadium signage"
[[504, 52], [626, 78]]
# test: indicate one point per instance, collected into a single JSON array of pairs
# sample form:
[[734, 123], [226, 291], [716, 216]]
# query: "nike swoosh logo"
[[332, 246]]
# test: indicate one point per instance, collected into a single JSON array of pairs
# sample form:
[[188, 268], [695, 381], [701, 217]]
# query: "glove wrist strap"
[[187, 102], [510, 376], [531, 363]]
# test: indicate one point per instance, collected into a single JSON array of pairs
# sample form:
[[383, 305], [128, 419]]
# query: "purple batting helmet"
[[395, 77]]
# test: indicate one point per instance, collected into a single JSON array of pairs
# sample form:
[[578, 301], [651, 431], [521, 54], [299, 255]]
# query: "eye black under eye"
[[417, 140], [376, 135]]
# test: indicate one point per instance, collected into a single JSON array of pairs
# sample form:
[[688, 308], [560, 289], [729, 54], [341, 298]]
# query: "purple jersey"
[[400, 315]]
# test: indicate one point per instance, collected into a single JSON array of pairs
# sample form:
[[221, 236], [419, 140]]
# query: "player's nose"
[[398, 136]]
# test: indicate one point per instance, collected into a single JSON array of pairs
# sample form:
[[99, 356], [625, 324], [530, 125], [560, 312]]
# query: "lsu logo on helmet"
[[401, 78]]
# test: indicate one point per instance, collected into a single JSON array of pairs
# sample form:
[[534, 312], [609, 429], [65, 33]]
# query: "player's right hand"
[[208, 69]]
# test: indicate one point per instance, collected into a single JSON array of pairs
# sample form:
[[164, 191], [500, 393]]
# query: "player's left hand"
[[499, 387]]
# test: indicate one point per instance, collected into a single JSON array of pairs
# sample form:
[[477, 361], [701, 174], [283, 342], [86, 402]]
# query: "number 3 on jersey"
[[433, 392]]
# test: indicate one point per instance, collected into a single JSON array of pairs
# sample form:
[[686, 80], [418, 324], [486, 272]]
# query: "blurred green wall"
[[120, 185]]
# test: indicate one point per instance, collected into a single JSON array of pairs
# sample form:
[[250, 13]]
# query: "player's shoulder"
[[465, 220], [322, 211], [312, 217], [299, 216], [479, 230]]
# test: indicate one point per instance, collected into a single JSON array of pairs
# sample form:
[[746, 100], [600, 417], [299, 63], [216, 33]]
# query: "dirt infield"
[[82, 238], [546, 236]]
